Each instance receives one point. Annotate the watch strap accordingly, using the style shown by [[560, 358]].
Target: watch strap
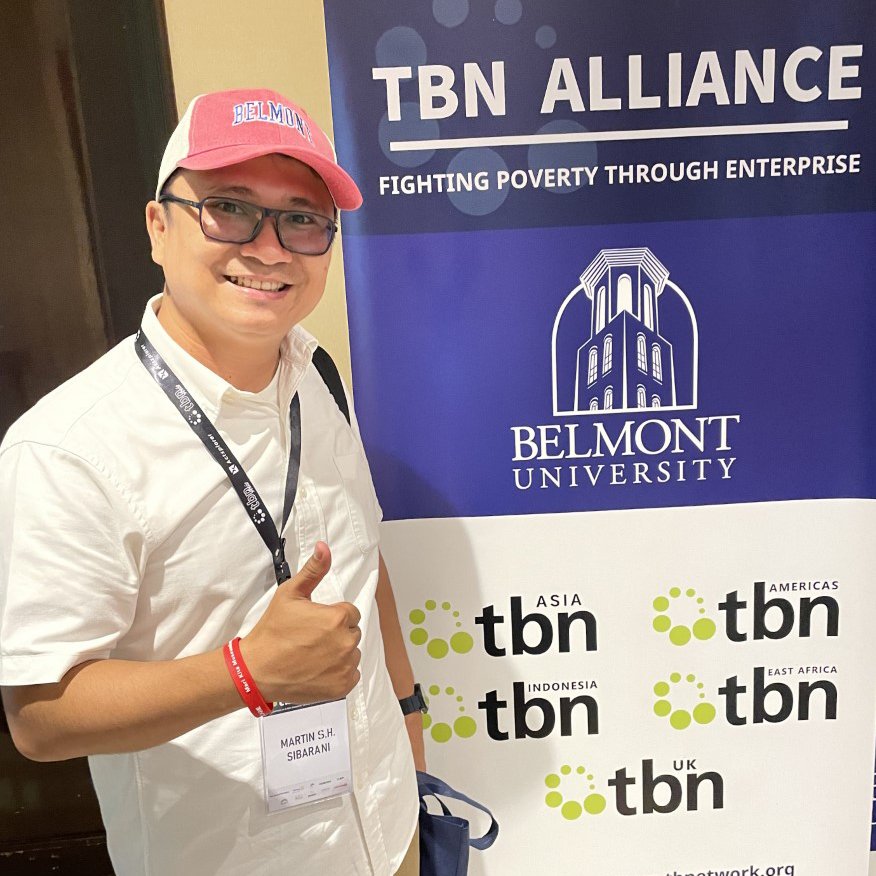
[[414, 703]]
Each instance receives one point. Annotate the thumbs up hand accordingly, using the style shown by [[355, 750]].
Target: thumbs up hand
[[302, 651]]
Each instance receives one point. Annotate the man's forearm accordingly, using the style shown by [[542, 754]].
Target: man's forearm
[[298, 651], [400, 672], [112, 706]]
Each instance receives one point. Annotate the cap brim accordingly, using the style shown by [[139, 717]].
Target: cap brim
[[345, 193]]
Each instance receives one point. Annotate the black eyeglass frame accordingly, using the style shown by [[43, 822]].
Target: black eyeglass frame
[[267, 212]]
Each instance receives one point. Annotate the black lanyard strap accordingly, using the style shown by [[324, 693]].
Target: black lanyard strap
[[200, 424]]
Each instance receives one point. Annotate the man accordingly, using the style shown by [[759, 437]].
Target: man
[[139, 609]]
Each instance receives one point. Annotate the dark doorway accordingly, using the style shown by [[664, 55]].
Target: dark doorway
[[86, 92]]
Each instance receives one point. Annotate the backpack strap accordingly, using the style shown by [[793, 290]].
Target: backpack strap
[[328, 371]]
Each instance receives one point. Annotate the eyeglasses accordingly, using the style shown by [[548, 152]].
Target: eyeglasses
[[231, 221]]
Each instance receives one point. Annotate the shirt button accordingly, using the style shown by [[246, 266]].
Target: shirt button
[[354, 715], [304, 492]]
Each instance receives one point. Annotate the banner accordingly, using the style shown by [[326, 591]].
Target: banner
[[612, 295]]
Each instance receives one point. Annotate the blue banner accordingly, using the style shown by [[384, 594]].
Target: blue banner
[[620, 257], [761, 308]]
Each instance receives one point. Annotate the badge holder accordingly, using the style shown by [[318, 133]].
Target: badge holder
[[305, 754]]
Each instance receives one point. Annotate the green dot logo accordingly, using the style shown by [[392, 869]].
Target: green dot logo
[[572, 793], [438, 701], [446, 620], [691, 692], [702, 628]]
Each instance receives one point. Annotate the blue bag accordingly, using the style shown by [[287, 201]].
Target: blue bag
[[444, 837]]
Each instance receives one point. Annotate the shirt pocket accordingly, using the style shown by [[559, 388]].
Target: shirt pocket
[[359, 497]]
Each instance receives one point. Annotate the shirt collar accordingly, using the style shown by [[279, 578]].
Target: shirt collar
[[211, 390]]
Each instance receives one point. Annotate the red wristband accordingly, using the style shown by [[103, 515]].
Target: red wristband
[[244, 682]]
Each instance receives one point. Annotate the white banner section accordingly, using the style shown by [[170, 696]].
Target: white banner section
[[640, 693]]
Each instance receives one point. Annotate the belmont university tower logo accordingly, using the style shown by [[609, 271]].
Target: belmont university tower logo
[[624, 339], [624, 375]]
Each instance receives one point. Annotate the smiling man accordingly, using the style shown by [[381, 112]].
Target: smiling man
[[238, 718]]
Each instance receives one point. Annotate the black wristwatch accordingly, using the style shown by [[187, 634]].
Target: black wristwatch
[[415, 703]]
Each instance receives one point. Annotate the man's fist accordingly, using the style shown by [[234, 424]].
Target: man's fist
[[302, 651]]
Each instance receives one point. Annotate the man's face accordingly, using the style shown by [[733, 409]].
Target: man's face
[[238, 292]]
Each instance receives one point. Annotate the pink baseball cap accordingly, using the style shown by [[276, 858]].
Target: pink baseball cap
[[227, 127]]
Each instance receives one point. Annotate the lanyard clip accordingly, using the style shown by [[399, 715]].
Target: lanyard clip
[[281, 567]]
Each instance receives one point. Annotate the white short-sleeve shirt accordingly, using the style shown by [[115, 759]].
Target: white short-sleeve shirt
[[120, 537]]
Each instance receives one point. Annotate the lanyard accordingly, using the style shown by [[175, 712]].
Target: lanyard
[[219, 450]]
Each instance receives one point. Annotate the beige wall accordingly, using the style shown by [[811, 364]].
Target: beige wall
[[280, 44]]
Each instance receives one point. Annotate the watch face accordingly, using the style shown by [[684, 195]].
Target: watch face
[[420, 699], [414, 703]]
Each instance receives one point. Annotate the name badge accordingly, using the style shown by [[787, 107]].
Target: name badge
[[305, 754]]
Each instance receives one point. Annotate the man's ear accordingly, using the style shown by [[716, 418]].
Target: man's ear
[[156, 226]]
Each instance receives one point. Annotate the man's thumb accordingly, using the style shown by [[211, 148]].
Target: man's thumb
[[312, 572]]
